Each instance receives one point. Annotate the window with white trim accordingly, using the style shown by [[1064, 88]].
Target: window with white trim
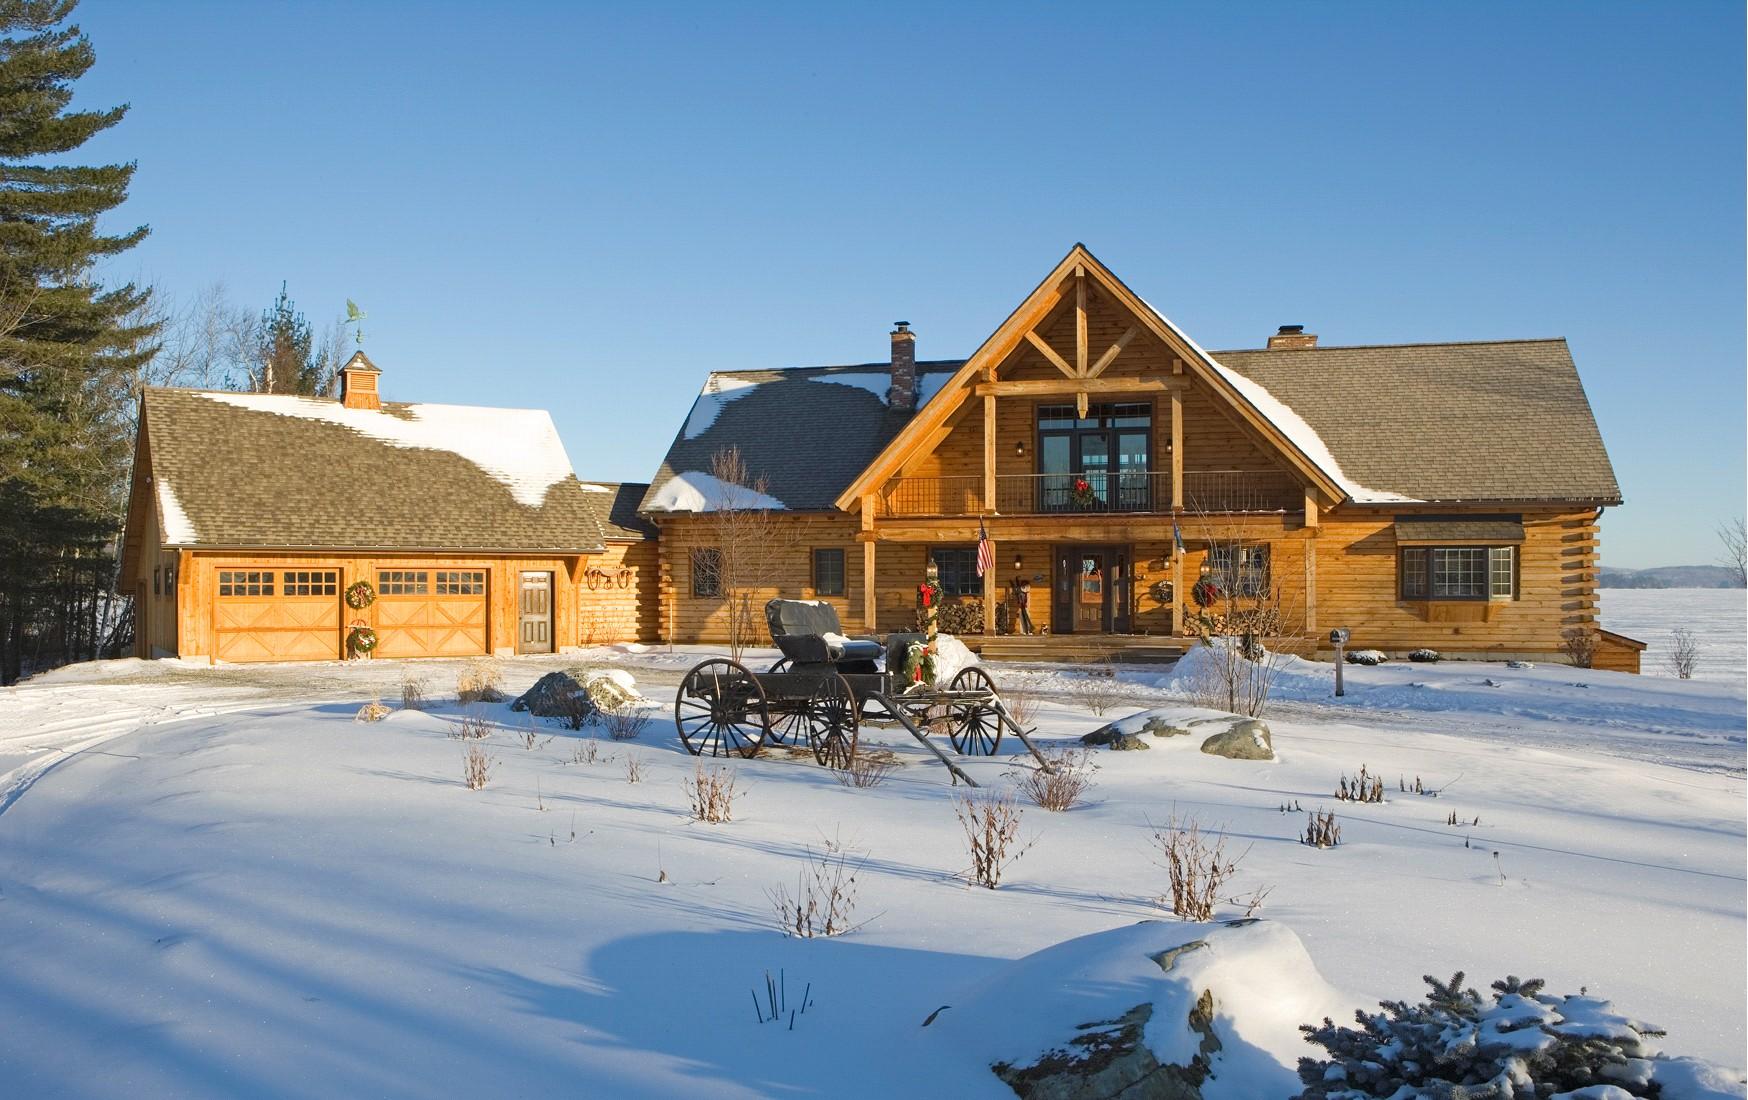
[[461, 582], [245, 582], [403, 582], [1458, 572]]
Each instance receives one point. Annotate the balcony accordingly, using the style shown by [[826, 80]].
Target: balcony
[[1108, 493]]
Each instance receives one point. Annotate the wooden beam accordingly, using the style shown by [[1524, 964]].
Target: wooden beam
[[989, 594], [989, 452], [1066, 386], [1177, 440], [1080, 321], [1049, 353], [1177, 590], [1310, 580], [870, 589], [1310, 507], [1113, 351]]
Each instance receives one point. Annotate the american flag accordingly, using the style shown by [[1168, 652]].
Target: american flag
[[985, 550]]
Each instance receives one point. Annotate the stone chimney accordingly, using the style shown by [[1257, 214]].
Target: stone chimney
[[358, 383], [902, 395], [1292, 338]]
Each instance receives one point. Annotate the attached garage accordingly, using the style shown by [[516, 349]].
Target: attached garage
[[431, 612], [276, 615]]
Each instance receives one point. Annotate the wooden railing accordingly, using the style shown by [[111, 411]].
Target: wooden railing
[[1111, 492]]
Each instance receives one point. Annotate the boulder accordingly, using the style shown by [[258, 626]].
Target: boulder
[[1159, 727], [1111, 1058], [557, 695], [1114, 739], [1245, 739]]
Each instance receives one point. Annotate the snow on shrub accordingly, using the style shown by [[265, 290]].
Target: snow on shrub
[[1426, 656], [1524, 1043], [1366, 657]]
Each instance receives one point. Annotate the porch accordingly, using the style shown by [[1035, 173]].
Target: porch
[[1151, 649], [1147, 492]]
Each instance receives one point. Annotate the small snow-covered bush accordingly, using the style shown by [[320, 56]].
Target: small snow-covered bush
[[412, 692], [474, 726], [481, 681], [992, 831], [1196, 865], [1366, 657], [1426, 656], [824, 902], [1364, 787], [1096, 689], [1521, 1043], [476, 768], [1579, 645], [1321, 831], [1683, 653], [711, 794], [1064, 785], [624, 721], [868, 768], [372, 711]]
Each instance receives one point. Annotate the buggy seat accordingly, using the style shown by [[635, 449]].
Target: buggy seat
[[808, 633]]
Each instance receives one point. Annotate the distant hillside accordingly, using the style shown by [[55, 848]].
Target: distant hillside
[[1670, 576]]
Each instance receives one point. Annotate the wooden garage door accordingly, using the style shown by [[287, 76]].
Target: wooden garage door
[[431, 612], [277, 615]]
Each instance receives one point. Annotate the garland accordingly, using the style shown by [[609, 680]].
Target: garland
[[359, 595], [360, 641]]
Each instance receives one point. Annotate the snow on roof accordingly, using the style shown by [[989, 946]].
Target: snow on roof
[[876, 383], [718, 391], [588, 488], [696, 491], [1291, 424], [178, 530], [518, 447]]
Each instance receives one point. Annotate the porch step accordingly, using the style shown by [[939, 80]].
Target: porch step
[[1078, 648]]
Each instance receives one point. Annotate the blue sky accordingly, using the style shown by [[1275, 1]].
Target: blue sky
[[585, 208]]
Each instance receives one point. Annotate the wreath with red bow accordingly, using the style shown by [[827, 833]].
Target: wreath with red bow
[[1083, 494], [1205, 593], [928, 594]]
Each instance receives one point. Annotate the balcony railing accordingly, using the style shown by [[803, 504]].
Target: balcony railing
[[1110, 492]]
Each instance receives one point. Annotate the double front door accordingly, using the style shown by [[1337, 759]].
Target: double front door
[[1091, 593]]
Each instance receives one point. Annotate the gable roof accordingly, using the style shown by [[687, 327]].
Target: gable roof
[[272, 471], [807, 431], [622, 520]]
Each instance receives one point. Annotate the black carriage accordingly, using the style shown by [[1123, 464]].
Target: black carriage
[[823, 688]]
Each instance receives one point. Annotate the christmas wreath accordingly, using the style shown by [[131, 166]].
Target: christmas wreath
[[1082, 493], [928, 595], [359, 595], [1205, 593], [919, 666], [1160, 591], [360, 640]]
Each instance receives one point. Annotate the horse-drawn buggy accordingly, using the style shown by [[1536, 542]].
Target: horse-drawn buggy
[[825, 686]]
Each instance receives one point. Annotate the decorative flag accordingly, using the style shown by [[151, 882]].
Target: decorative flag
[[985, 550], [1177, 539]]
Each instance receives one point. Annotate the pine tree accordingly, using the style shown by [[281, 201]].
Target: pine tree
[[69, 347], [286, 357]]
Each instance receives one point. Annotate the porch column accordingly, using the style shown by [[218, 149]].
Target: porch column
[[1177, 588], [989, 452], [1177, 439], [1311, 581], [989, 589], [870, 579]]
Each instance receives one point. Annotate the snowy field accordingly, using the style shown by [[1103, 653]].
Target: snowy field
[[214, 882], [1718, 618]]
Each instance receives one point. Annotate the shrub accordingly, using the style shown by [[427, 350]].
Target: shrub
[[1097, 689], [1522, 1042], [624, 720], [1579, 645], [1364, 787], [476, 768], [1197, 868], [868, 768], [412, 692], [633, 768], [711, 793], [991, 821], [1425, 656], [1368, 657], [481, 681], [1064, 785], [1683, 653], [586, 751], [372, 711], [1321, 831], [1022, 705], [572, 707], [824, 903], [473, 726]]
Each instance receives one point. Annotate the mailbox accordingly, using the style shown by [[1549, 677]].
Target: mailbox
[[1338, 636]]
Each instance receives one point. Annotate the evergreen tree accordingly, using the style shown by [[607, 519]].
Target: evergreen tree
[[286, 357], [69, 347]]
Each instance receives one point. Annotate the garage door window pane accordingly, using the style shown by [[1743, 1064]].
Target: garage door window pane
[[403, 582], [461, 583], [245, 582], [312, 582]]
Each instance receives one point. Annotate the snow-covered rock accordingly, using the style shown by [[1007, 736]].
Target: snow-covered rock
[[1230, 735], [1366, 657], [1158, 1008], [1246, 739], [577, 693]]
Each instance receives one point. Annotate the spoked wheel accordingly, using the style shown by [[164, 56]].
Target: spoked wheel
[[782, 665], [972, 723], [832, 722], [720, 710]]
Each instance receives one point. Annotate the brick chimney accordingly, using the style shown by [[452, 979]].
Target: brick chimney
[[358, 383], [1292, 338], [902, 395]]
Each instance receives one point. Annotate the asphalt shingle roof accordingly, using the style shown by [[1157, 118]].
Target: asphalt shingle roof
[[251, 477]]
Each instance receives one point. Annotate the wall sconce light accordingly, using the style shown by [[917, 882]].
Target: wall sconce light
[[1020, 448], [1206, 569], [1018, 561]]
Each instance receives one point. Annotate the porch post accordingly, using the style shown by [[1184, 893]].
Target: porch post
[[989, 590], [870, 579], [1177, 439], [989, 452], [1177, 587]]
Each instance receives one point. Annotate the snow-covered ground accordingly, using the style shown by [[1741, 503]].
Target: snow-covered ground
[[1718, 618], [253, 894]]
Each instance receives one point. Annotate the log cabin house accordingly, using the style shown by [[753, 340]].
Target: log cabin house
[[251, 514], [1420, 495]]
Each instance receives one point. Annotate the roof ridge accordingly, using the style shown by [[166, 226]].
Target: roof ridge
[[881, 365], [1410, 344]]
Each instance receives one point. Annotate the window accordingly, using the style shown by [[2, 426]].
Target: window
[[828, 571], [245, 582], [1109, 449], [958, 569], [1244, 568], [706, 572], [312, 582], [461, 582], [403, 582], [1459, 572], [157, 582]]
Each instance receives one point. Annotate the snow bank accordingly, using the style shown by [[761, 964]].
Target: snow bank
[[697, 491], [519, 448], [1263, 982], [177, 528], [951, 657], [719, 391]]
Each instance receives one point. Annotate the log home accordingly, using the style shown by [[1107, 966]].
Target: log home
[[251, 515], [1420, 495]]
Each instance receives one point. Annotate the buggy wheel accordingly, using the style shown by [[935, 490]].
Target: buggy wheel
[[973, 725], [832, 722], [720, 710], [782, 665]]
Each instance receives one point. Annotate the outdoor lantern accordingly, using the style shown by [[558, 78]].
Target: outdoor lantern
[[1020, 447], [1018, 561], [1205, 568]]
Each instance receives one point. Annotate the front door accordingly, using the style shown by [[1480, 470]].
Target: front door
[[1091, 590], [535, 635]]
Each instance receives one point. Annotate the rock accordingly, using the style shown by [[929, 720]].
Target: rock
[[1112, 1059], [372, 711], [1245, 739], [1159, 727], [558, 695], [1115, 739], [611, 689]]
